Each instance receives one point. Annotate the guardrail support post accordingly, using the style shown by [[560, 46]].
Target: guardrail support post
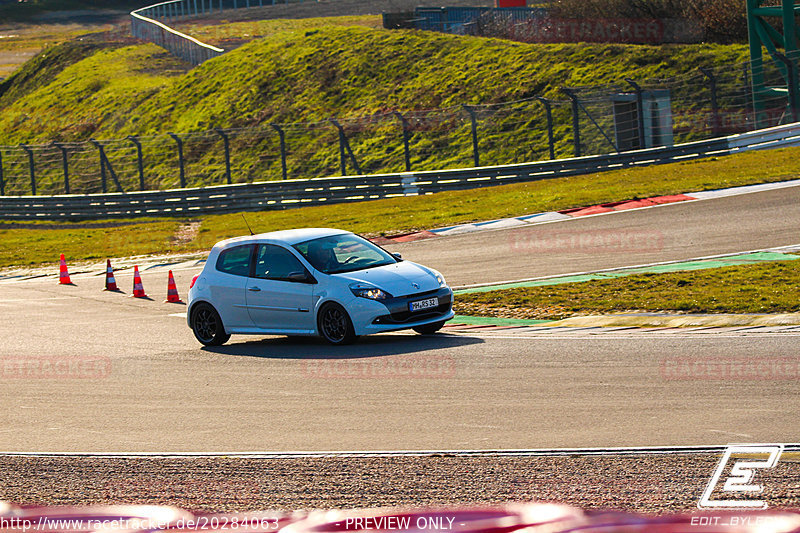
[[639, 110], [549, 113], [474, 124], [791, 79], [226, 143], [64, 164], [406, 151], [712, 85], [31, 167], [344, 147], [139, 159], [576, 126], [2, 182], [179, 142]]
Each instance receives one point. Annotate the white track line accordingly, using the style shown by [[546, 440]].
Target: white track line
[[533, 452]]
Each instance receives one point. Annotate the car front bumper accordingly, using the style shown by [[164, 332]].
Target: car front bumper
[[394, 313]]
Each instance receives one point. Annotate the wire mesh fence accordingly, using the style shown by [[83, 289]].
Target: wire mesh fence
[[707, 103]]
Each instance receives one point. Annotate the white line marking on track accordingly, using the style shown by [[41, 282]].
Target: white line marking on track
[[643, 450]]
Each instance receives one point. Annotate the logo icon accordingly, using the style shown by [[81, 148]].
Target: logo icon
[[751, 457], [415, 285]]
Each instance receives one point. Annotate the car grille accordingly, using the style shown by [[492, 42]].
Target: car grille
[[408, 316]]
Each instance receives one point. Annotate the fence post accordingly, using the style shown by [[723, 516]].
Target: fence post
[[406, 151], [576, 127], [474, 123], [139, 159], [712, 84], [224, 136], [791, 85], [639, 110], [344, 146], [103, 182], [179, 142], [64, 164], [748, 95], [283, 147], [31, 167], [549, 113], [2, 181], [342, 160]]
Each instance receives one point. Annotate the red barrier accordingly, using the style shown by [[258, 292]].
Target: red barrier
[[521, 518]]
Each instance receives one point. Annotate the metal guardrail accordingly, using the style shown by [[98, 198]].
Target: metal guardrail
[[150, 24], [298, 193], [146, 26]]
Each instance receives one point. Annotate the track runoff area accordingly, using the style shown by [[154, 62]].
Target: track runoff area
[[201, 410]]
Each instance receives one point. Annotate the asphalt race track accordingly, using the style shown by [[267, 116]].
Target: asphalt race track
[[144, 384], [665, 233]]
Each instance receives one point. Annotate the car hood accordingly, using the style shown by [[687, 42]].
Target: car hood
[[396, 279]]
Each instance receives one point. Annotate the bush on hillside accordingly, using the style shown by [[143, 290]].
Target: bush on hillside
[[721, 20]]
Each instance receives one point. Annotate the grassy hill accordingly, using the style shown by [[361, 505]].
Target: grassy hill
[[311, 72]]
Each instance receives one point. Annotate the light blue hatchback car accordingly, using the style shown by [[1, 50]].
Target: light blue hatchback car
[[325, 282]]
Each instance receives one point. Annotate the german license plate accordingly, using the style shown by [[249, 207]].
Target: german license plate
[[419, 305]]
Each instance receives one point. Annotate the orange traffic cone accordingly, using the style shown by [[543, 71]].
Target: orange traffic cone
[[111, 283], [63, 275], [138, 290], [172, 291]]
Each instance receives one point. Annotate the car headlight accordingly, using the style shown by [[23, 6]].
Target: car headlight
[[369, 292], [440, 279]]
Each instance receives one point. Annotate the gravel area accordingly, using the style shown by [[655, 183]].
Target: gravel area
[[640, 483]]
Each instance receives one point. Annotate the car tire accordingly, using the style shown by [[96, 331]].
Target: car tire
[[429, 329], [207, 326], [334, 324]]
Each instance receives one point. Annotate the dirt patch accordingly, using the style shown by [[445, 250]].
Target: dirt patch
[[641, 483], [187, 232]]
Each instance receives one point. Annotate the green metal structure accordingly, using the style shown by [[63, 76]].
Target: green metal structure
[[772, 26]]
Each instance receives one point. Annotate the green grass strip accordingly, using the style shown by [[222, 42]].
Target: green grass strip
[[753, 286], [741, 259], [495, 321]]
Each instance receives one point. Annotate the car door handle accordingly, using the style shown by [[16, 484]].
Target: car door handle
[[254, 289]]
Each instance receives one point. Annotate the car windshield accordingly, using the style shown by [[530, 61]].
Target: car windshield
[[343, 253]]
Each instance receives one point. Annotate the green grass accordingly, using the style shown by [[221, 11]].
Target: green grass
[[238, 32], [21, 247], [398, 215], [760, 288], [315, 69]]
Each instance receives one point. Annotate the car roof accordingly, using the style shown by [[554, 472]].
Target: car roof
[[289, 236]]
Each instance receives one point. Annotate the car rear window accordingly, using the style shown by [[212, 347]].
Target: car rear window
[[235, 260]]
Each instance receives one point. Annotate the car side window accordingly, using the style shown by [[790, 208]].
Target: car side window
[[276, 262], [235, 260]]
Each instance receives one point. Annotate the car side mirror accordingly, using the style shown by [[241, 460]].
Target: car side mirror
[[398, 257], [300, 277]]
